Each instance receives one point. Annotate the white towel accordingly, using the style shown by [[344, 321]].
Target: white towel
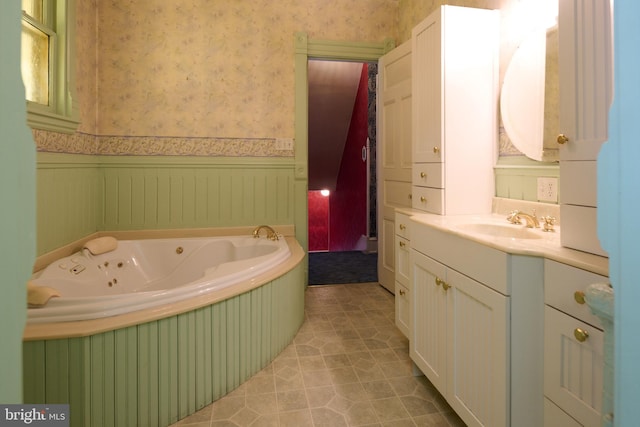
[[38, 296], [101, 245]]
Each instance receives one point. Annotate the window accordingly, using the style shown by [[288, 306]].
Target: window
[[47, 67]]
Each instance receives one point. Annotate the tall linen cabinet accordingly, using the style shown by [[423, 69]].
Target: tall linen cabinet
[[455, 76], [454, 121]]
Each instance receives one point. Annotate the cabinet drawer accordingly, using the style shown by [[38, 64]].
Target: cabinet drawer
[[428, 199], [403, 299], [403, 267], [427, 175], [573, 373], [561, 282], [403, 225]]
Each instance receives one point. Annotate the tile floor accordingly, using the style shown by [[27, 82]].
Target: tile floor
[[348, 366]]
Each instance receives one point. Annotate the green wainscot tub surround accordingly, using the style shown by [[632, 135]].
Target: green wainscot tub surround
[[156, 372]]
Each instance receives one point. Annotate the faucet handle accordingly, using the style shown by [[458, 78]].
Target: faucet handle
[[549, 222], [513, 217]]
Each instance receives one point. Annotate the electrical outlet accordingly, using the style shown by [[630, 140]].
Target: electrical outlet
[[284, 144], [548, 189]]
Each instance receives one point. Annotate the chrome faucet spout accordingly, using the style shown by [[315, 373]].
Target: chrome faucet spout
[[531, 220], [271, 233]]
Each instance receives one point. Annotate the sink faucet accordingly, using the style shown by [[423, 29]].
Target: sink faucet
[[271, 233], [531, 219]]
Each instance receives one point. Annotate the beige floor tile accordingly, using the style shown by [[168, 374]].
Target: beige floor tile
[[348, 366]]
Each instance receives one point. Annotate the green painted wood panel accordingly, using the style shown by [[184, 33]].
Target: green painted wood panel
[[78, 195], [158, 372]]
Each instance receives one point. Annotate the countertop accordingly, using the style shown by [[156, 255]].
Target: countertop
[[544, 244]]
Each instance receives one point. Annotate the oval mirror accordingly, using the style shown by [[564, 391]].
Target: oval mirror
[[529, 97]]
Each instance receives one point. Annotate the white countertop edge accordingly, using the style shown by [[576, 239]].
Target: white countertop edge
[[547, 246]]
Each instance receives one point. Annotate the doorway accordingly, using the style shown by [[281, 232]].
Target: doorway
[[328, 50], [342, 185]]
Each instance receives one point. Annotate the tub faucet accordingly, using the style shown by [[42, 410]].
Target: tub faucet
[[271, 233], [531, 219]]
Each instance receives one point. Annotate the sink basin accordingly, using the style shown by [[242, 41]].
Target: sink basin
[[499, 230]]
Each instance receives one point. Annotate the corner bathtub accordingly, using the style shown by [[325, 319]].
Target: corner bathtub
[[141, 274], [154, 365]]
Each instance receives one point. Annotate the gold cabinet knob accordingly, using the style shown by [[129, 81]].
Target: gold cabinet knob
[[439, 281], [423, 174], [445, 286], [423, 199], [402, 292], [403, 227], [402, 244], [436, 150], [579, 297], [562, 139], [580, 334]]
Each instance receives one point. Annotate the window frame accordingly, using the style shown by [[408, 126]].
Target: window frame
[[61, 115]]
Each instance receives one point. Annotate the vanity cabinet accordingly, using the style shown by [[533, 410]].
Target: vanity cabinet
[[403, 272], [454, 110], [475, 338], [585, 33], [573, 343]]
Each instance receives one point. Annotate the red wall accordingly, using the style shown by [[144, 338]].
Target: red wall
[[318, 222], [348, 213]]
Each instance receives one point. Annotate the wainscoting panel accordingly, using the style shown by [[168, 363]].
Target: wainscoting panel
[[155, 373], [147, 193], [78, 195], [69, 199]]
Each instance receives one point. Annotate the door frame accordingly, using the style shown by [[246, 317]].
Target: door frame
[[306, 49]]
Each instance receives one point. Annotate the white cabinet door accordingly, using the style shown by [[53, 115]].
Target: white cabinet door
[[478, 352], [573, 374], [403, 301], [556, 417], [428, 323], [459, 339], [586, 76], [394, 153]]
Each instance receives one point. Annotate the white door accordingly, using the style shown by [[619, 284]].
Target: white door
[[394, 153]]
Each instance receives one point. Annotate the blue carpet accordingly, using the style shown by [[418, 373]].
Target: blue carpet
[[328, 268]]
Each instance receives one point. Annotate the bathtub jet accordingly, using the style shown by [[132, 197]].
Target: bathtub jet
[[142, 274]]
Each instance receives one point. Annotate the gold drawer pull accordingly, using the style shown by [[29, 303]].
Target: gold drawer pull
[[423, 175], [445, 286], [580, 334], [439, 281], [403, 227], [579, 297], [436, 150], [402, 244], [423, 199], [562, 139], [402, 292]]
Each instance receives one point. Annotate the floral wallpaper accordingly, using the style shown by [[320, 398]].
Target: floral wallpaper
[[214, 68], [194, 77]]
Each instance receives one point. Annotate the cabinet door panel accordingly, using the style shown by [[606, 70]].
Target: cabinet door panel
[[556, 417], [586, 76], [403, 266], [403, 299], [428, 322], [386, 255], [573, 369], [478, 382]]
